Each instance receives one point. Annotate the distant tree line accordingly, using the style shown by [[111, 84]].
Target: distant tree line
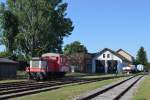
[[75, 47]]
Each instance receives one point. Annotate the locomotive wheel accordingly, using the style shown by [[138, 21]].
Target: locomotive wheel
[[39, 76]]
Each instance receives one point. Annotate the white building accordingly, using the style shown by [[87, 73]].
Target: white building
[[109, 61]]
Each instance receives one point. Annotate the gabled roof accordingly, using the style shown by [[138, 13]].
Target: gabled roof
[[5, 60], [113, 52], [125, 52]]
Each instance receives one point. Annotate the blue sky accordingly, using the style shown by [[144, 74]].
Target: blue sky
[[110, 23]]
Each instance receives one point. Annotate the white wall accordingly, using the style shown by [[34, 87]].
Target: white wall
[[112, 57]]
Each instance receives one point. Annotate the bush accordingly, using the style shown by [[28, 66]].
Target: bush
[[147, 66], [5, 54]]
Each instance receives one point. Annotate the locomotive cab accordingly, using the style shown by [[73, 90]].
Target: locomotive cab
[[47, 66], [38, 65], [37, 69]]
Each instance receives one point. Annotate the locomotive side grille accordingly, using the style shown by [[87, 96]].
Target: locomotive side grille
[[43, 64]]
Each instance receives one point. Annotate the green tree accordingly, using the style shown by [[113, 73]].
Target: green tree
[[75, 47], [42, 25], [148, 65], [9, 28], [141, 56]]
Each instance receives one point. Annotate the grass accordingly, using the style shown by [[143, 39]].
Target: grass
[[21, 75], [68, 92], [88, 75], [75, 74], [85, 74], [143, 92], [93, 75]]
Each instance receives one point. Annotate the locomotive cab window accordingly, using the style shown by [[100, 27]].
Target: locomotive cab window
[[38, 64], [35, 63]]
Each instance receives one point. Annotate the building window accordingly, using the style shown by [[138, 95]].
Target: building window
[[108, 55], [103, 55]]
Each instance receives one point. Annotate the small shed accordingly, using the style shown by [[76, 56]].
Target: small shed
[[8, 68]]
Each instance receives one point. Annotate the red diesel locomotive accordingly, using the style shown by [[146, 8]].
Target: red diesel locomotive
[[49, 65]]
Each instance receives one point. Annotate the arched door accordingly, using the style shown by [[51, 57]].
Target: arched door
[[112, 66], [100, 66]]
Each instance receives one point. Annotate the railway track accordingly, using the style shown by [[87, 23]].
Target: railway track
[[11, 90], [10, 84], [112, 92], [15, 85]]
